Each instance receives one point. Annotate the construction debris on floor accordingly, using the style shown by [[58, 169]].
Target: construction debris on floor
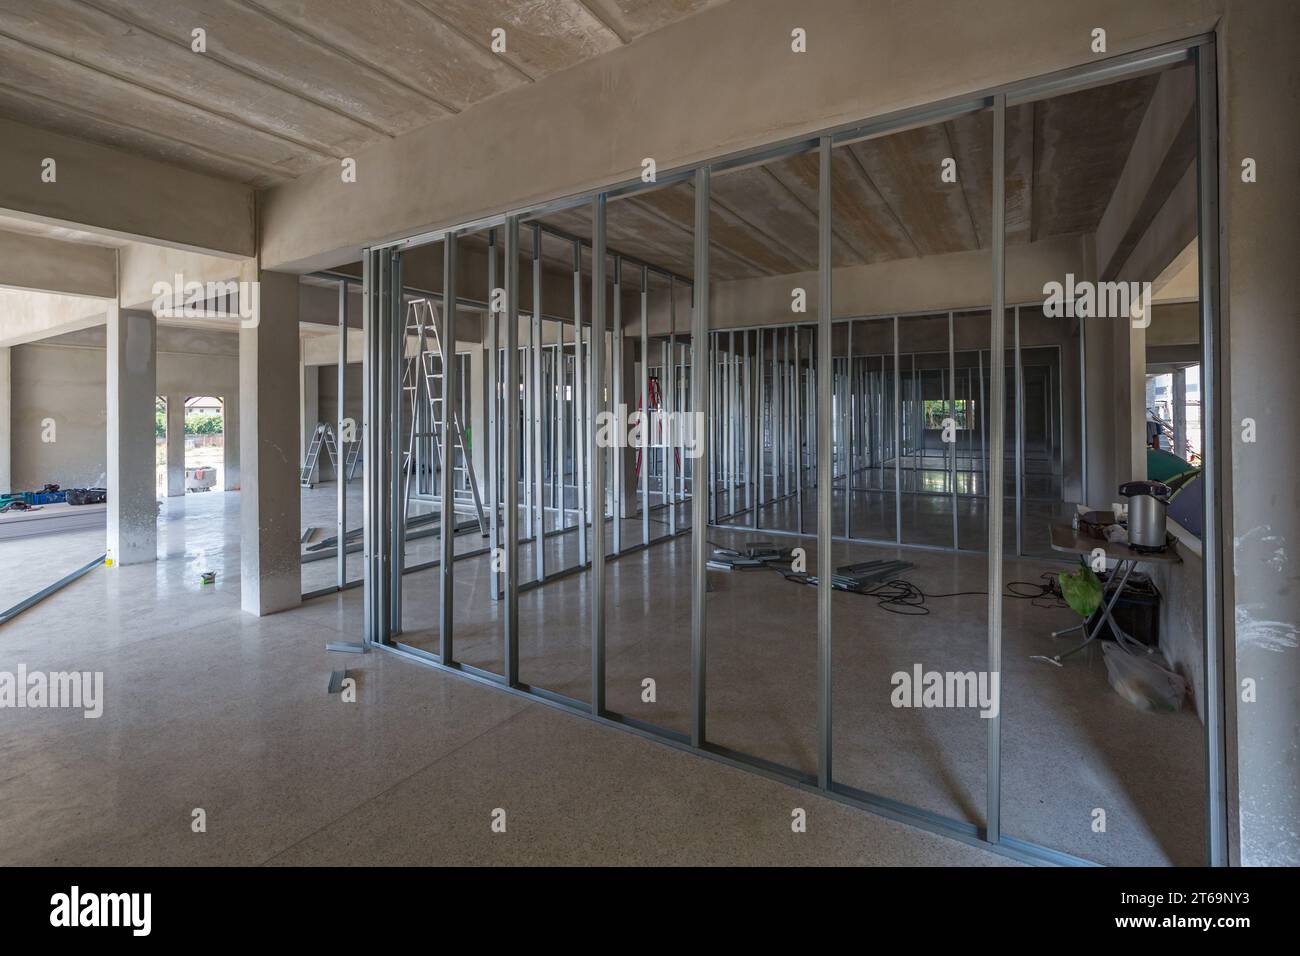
[[759, 554], [51, 494]]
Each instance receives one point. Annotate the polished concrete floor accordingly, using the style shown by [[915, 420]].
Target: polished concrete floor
[[208, 707], [1070, 744]]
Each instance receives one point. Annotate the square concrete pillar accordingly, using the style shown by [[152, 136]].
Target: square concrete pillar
[[308, 405], [6, 423], [175, 446], [132, 380], [269, 436], [230, 427], [477, 418]]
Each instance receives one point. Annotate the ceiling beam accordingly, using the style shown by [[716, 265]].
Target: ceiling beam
[[27, 316], [1161, 153], [589, 126], [122, 195], [42, 264]]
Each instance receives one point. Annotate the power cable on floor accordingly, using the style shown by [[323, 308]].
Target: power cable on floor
[[898, 596]]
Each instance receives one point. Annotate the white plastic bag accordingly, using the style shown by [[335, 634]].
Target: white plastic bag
[[1142, 681]]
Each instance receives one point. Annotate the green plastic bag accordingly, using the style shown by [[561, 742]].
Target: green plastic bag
[[1081, 590]]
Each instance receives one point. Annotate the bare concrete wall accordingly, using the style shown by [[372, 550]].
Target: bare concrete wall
[[59, 393], [63, 380], [1182, 592]]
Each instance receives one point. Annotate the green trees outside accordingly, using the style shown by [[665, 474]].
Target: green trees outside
[[194, 424]]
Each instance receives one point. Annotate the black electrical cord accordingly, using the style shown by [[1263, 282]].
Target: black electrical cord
[[903, 597]]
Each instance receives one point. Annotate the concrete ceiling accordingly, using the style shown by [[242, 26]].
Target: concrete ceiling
[[287, 85], [1064, 158]]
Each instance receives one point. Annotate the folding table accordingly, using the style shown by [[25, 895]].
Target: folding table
[[1066, 538]]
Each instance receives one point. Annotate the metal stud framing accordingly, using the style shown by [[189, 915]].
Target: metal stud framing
[[537, 513], [701, 359], [510, 478], [447, 467], [825, 477], [997, 438], [763, 377], [492, 399], [599, 457]]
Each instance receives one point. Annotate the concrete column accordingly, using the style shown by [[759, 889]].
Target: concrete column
[[1133, 467], [175, 446], [230, 426], [1261, 287], [308, 405], [6, 423], [1180, 412], [477, 419], [269, 435], [132, 380]]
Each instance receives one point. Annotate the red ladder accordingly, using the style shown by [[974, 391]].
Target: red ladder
[[656, 404]]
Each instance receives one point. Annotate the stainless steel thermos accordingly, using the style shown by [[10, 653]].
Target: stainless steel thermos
[[1147, 502]]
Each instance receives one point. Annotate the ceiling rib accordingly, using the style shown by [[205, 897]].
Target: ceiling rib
[[505, 58], [813, 212], [350, 57], [231, 159], [216, 58], [576, 221], [602, 21], [961, 180], [317, 151], [654, 213], [857, 161], [1033, 168], [774, 241]]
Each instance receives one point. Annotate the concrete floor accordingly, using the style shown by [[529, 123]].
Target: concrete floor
[[209, 707]]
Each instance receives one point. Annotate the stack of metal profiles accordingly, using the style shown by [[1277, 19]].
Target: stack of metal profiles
[[759, 554], [854, 577]]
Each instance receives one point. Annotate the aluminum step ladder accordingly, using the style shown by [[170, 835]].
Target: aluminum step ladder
[[323, 436], [351, 457], [422, 383]]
